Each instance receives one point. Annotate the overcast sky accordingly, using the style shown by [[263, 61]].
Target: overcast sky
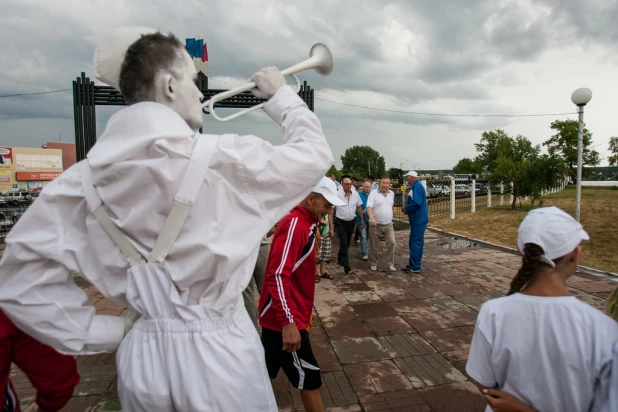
[[439, 56]]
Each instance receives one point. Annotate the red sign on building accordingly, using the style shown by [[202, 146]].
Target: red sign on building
[[28, 176]]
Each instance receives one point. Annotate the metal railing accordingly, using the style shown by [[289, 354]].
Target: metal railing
[[448, 197], [10, 213]]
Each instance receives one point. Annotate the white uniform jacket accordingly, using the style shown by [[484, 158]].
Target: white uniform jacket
[[137, 166]]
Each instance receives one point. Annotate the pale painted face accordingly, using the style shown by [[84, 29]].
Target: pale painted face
[[188, 102]]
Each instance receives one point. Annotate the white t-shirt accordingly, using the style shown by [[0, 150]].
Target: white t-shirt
[[553, 353], [348, 210], [382, 206]]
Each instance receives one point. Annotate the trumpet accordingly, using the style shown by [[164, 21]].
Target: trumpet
[[320, 59]]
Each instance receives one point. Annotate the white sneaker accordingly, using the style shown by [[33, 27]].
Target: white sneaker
[[365, 257], [392, 268], [374, 268]]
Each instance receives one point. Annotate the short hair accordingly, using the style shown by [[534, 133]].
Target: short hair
[[143, 60]]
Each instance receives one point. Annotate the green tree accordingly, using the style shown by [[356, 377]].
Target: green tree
[[467, 165], [564, 144], [613, 149], [492, 145], [363, 160], [516, 160]]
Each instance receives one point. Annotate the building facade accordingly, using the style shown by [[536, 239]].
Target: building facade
[[69, 157], [28, 169]]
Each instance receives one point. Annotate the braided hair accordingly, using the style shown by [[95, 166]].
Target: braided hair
[[531, 262]]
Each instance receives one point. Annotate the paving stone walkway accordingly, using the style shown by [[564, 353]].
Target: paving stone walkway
[[384, 341]]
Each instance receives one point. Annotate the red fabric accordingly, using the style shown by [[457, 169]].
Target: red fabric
[[53, 375], [287, 294], [205, 54]]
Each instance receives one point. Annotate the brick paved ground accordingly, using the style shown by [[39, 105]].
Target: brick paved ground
[[383, 341]]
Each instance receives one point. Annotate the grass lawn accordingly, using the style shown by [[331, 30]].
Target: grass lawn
[[499, 224]]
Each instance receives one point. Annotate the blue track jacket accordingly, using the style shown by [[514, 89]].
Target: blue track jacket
[[416, 205]]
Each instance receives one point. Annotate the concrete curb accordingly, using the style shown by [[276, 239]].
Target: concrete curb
[[582, 269]]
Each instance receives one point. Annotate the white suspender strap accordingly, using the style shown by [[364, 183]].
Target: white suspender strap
[[95, 204], [185, 197]]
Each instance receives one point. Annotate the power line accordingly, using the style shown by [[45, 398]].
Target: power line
[[444, 114], [360, 107], [33, 94]]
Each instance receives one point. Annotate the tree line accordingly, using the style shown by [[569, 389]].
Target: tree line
[[501, 158]]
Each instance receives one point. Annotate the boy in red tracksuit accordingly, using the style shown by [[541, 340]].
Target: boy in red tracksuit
[[287, 296], [53, 375]]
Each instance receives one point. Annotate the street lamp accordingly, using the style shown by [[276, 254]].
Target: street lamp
[[580, 98]]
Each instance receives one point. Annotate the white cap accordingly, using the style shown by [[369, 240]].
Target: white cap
[[328, 189], [411, 173], [553, 230], [111, 50]]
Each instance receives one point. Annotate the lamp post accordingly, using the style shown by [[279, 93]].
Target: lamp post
[[580, 98]]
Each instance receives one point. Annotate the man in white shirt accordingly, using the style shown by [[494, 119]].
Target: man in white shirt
[[345, 219], [169, 222], [380, 211]]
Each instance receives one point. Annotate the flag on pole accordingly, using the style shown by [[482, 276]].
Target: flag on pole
[[204, 63], [198, 52]]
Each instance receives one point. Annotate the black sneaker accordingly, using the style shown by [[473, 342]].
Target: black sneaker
[[408, 270], [347, 269]]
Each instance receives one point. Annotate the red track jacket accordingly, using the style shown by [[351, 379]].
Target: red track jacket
[[53, 375], [289, 281]]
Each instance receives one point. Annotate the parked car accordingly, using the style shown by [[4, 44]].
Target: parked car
[[16, 198], [5, 224], [434, 191], [17, 214], [463, 189]]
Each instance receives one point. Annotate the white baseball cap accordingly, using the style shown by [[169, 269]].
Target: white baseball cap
[[411, 173], [553, 230], [328, 189]]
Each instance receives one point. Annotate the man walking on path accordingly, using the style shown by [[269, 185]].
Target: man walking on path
[[345, 218], [380, 210], [364, 232], [418, 216], [286, 301]]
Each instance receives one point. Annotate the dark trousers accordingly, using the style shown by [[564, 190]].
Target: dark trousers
[[344, 231], [417, 241]]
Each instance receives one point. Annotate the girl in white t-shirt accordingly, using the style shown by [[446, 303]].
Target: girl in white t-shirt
[[539, 344]]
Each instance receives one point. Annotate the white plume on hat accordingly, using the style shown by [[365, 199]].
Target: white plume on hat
[[111, 50]]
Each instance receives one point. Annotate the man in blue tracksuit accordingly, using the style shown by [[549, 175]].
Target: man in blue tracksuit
[[416, 209]]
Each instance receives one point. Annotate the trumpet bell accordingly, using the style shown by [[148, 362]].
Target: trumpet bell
[[320, 59], [322, 52]]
